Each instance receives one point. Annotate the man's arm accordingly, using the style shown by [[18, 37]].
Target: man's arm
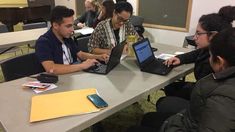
[[83, 56], [81, 19], [51, 67], [101, 51]]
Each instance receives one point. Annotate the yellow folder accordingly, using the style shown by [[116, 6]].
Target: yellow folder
[[61, 104]]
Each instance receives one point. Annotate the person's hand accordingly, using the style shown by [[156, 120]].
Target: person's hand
[[103, 57], [101, 15], [125, 50], [81, 25], [88, 63], [108, 51], [172, 61]]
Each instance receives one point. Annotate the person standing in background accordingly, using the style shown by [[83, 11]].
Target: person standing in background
[[88, 17], [107, 8]]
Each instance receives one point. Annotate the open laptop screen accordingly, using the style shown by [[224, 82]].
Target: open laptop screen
[[143, 51]]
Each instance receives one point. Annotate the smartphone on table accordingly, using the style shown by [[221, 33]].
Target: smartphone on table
[[97, 100]]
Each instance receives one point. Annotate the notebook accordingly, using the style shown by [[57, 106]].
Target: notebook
[[146, 59], [114, 60]]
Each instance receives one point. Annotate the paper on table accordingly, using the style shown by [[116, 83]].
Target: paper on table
[[39, 87], [61, 104], [84, 31], [38, 90], [164, 56], [179, 53]]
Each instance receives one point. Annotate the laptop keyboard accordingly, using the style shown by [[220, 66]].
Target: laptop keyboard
[[161, 68], [101, 68]]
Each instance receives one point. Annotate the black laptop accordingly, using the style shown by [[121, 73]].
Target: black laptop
[[146, 59], [114, 60]]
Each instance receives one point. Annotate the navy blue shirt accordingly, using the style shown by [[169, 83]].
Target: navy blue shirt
[[48, 47]]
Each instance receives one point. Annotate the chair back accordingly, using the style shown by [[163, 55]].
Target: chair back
[[189, 41], [21, 66], [82, 43], [3, 28], [34, 25], [137, 22]]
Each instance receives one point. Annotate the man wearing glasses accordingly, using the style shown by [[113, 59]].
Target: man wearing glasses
[[111, 32]]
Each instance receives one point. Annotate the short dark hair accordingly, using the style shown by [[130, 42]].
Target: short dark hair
[[218, 21], [60, 12], [123, 6], [109, 7], [223, 45]]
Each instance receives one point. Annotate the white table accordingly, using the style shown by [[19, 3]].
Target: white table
[[28, 36], [123, 86], [20, 37]]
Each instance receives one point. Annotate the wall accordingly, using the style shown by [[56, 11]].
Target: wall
[[199, 8], [68, 3]]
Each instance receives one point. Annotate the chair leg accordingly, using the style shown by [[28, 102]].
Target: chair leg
[[148, 98], [22, 51], [28, 46]]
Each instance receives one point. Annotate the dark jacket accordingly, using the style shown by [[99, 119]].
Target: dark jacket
[[48, 47], [212, 106], [89, 18], [201, 59]]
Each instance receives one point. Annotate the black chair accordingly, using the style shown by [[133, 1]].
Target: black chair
[[21, 66], [189, 41], [34, 25], [3, 28], [82, 43], [137, 22]]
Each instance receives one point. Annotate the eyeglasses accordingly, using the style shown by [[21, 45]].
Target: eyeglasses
[[197, 34], [120, 19]]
